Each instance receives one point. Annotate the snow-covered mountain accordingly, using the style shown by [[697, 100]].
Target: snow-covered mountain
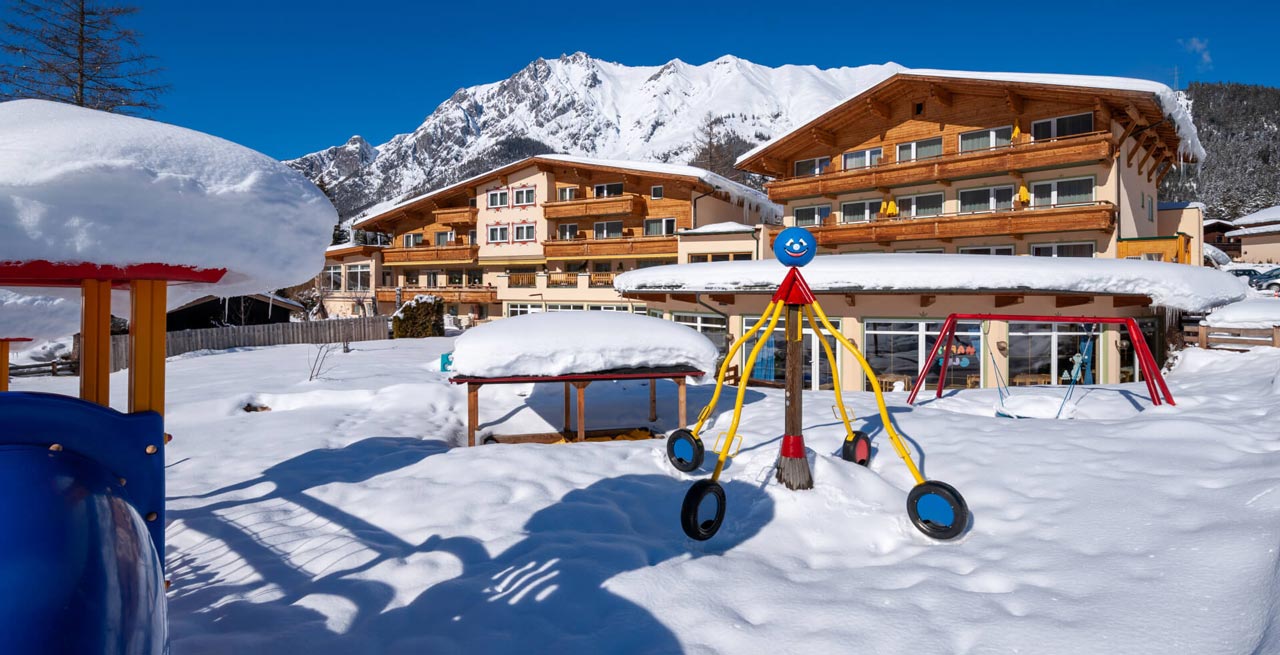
[[583, 106]]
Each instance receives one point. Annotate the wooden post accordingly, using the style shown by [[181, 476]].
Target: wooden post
[[147, 345], [794, 382], [95, 341], [473, 411], [653, 400], [1202, 336], [582, 409], [4, 365], [567, 420], [1275, 336], [681, 405]]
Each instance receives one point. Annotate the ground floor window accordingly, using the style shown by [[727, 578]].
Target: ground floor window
[[1129, 369], [563, 307], [608, 308], [522, 308], [896, 349], [1053, 353], [701, 322], [656, 313], [771, 364], [986, 250]]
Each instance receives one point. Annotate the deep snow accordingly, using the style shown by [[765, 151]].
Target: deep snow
[[342, 522]]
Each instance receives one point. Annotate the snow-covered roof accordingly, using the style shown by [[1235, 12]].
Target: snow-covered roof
[[1253, 231], [1189, 288], [1260, 217], [1174, 104], [1218, 221], [727, 227], [735, 190], [1252, 313], [85, 186], [558, 343]]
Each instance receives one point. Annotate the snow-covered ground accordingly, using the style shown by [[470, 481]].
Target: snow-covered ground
[[342, 521]]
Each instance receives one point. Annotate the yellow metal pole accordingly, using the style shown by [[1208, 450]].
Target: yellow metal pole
[[742, 390], [4, 365], [835, 371], [95, 341], [724, 367], [147, 345]]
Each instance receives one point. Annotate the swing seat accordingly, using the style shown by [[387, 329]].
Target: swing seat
[[1035, 404]]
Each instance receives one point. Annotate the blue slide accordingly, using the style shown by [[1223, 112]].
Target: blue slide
[[81, 528]]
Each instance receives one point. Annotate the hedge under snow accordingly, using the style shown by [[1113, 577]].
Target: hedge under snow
[[1250, 314], [79, 185], [557, 343], [1179, 286]]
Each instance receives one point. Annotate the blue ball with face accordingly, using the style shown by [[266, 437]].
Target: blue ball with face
[[795, 246]]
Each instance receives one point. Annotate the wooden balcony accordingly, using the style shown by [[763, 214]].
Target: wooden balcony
[[522, 280], [1030, 155], [562, 280], [1092, 216], [453, 295], [627, 204], [453, 254], [600, 280], [1174, 248], [610, 248], [456, 215]]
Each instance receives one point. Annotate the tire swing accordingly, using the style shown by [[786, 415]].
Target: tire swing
[[691, 513], [937, 510], [685, 451]]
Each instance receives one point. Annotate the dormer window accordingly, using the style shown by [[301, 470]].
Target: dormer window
[[608, 190], [1056, 128], [815, 166]]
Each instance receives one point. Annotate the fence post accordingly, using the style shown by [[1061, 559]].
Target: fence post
[[1202, 336], [1275, 336]]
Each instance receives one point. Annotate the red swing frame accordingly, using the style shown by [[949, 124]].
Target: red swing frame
[[1156, 386]]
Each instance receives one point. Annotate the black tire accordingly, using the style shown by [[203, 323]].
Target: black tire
[[689, 520], [959, 510], [678, 462], [857, 449], [1273, 287], [490, 440]]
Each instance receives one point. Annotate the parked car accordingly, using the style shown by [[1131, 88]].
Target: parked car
[[1269, 281], [1247, 273]]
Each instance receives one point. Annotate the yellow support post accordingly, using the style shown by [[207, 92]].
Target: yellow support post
[[4, 365], [724, 367], [95, 341], [742, 389], [147, 345], [835, 371]]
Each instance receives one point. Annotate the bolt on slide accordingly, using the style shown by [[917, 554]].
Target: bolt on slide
[[935, 508]]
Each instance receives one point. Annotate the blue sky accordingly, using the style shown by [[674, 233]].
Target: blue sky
[[288, 77]]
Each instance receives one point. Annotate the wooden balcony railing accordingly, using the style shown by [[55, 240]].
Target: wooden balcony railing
[[604, 248], [602, 279], [431, 254], [1080, 148], [475, 295], [1174, 248], [1090, 216], [562, 280], [522, 280], [456, 215], [625, 204]]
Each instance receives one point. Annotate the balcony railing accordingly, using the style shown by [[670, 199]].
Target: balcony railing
[[456, 215], [562, 280], [453, 294], [611, 247], [431, 254], [1027, 155], [625, 204], [522, 280], [602, 279], [1064, 218]]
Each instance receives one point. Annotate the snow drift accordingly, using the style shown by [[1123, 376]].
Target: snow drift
[[1252, 313]]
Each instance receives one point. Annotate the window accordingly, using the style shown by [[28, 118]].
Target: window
[[608, 229], [812, 216], [608, 190], [554, 307], [1056, 128], [1042, 353], [720, 257], [358, 277], [705, 323], [815, 166], [659, 226], [411, 278], [986, 139], [413, 240], [898, 348], [567, 231], [859, 212], [608, 308], [771, 362], [498, 198], [524, 196], [862, 158], [455, 278], [471, 237], [522, 308], [331, 278], [656, 192], [986, 200], [1062, 192], [656, 313], [499, 234], [918, 206], [986, 250], [1081, 249], [566, 193], [444, 238], [1151, 208], [475, 277], [525, 232], [649, 263], [920, 149]]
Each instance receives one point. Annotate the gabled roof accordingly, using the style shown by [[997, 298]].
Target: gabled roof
[[702, 179], [1154, 103], [1260, 217]]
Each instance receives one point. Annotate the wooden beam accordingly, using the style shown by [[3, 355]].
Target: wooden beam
[[1162, 165], [684, 297], [941, 94], [823, 137], [945, 183], [582, 410], [1145, 156], [927, 300], [879, 108], [1006, 301], [1102, 112], [1072, 301], [1138, 144], [723, 298], [682, 404], [95, 341], [4, 366], [1134, 115], [1017, 104], [1130, 301], [473, 411], [653, 400], [1128, 131]]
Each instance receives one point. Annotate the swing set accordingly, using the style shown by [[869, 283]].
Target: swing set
[[1157, 390], [935, 508]]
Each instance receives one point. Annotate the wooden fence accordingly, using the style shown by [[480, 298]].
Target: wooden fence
[[370, 328], [1232, 338]]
